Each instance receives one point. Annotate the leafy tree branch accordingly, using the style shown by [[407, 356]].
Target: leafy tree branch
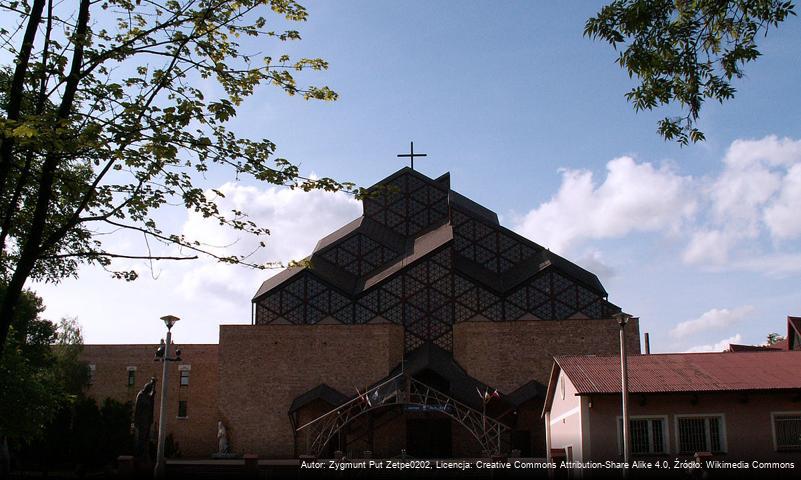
[[103, 124], [685, 52]]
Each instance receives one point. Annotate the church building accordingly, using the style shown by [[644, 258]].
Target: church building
[[422, 327]]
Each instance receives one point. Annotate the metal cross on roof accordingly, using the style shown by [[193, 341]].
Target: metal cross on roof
[[411, 154]]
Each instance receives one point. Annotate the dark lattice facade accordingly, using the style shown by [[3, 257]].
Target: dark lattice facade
[[425, 257]]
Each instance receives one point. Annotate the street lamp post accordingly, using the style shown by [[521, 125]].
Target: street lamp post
[[622, 320], [164, 357]]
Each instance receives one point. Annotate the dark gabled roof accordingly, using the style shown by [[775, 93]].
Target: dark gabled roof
[[320, 392], [480, 211], [338, 234], [277, 279], [443, 181], [436, 234], [421, 247], [574, 271]]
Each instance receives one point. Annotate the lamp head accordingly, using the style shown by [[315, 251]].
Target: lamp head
[[169, 320]]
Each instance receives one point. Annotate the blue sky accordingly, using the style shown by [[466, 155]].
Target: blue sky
[[530, 119]]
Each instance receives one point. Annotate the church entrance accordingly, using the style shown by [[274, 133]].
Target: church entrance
[[428, 437]]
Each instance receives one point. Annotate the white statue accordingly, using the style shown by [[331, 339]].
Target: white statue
[[222, 438]]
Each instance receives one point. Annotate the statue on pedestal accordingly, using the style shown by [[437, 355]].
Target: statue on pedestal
[[223, 447], [222, 439], [143, 419]]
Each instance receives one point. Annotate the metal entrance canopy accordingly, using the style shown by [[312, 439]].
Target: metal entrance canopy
[[404, 390]]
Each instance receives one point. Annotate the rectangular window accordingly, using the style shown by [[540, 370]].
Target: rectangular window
[[184, 378], [91, 379], [131, 376], [700, 434], [647, 435], [788, 431], [182, 413]]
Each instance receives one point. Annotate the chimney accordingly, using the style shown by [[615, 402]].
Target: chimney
[[647, 344]]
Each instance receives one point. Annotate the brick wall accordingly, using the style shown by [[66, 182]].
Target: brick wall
[[506, 355], [197, 433], [251, 378], [264, 367]]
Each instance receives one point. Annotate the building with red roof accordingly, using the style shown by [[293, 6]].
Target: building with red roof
[[736, 406], [790, 342]]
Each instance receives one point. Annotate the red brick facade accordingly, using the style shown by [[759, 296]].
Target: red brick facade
[[196, 433], [264, 367], [251, 378]]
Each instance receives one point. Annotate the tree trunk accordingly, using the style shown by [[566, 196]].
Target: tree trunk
[[24, 176], [16, 89], [8, 304], [31, 249]]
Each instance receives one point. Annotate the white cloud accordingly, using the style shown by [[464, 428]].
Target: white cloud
[[720, 346], [769, 150], [296, 220], [708, 247], [773, 265], [757, 195], [714, 319], [783, 215], [741, 190], [633, 197], [742, 218]]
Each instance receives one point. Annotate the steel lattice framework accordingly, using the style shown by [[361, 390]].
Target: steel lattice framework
[[403, 390], [479, 271]]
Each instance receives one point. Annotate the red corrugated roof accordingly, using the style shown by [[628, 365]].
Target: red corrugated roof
[[686, 372], [776, 347]]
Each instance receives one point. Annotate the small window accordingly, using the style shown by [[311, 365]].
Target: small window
[[562, 386], [701, 434], [788, 431], [647, 435], [184, 378], [182, 413], [91, 379], [131, 376]]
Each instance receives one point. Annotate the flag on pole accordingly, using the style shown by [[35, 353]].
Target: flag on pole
[[486, 396]]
